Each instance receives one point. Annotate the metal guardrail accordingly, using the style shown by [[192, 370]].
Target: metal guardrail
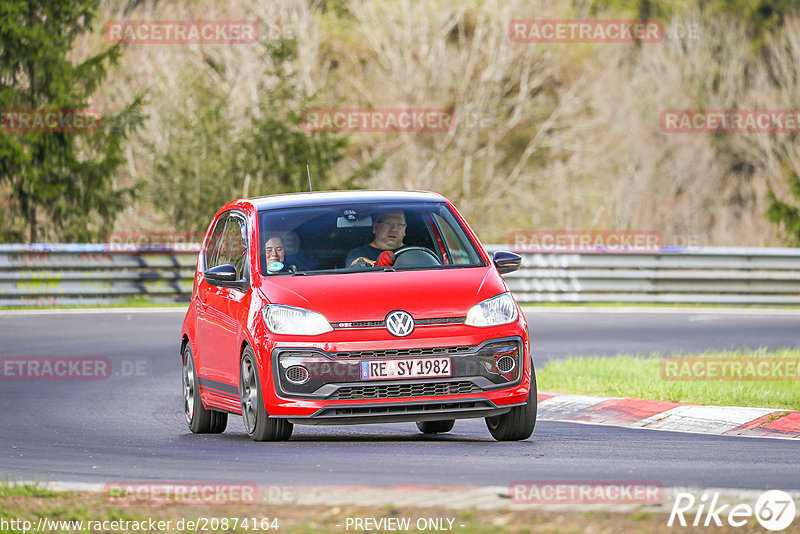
[[74, 274], [59, 274], [706, 275]]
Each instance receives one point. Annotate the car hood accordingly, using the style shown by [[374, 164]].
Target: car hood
[[369, 296]]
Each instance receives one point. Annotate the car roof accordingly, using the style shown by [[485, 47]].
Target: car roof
[[324, 198]]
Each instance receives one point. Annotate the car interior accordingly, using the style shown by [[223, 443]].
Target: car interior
[[324, 241]]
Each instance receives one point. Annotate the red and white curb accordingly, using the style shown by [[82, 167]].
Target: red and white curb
[[663, 415]]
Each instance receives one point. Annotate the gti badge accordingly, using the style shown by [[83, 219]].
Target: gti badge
[[399, 323]]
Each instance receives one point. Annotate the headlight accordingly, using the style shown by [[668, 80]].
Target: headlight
[[494, 311], [294, 321]]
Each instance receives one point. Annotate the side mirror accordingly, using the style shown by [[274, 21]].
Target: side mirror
[[506, 262], [224, 276]]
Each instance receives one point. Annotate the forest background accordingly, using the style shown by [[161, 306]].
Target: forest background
[[548, 136]]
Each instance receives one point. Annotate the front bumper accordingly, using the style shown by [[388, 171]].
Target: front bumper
[[483, 383], [403, 412], [310, 373]]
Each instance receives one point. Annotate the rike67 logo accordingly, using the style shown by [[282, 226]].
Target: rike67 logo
[[774, 510]]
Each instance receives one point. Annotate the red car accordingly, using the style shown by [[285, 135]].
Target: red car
[[353, 307]]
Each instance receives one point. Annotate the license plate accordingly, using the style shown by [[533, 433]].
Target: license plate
[[400, 369]]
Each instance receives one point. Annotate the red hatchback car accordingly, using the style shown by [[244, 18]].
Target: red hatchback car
[[353, 307]]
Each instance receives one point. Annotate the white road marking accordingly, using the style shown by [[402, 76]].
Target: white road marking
[[707, 419]]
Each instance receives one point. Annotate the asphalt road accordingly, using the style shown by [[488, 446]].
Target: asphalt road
[[563, 331], [129, 427]]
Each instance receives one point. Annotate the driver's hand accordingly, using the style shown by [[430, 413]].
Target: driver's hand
[[386, 259]]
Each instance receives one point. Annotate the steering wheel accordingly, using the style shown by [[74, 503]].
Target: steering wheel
[[415, 257]]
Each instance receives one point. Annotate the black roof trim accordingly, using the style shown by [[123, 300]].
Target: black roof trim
[[327, 198]]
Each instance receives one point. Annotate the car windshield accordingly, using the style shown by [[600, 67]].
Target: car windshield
[[347, 238]]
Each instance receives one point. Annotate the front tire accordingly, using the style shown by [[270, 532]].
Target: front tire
[[256, 419], [517, 424], [200, 420], [436, 427]]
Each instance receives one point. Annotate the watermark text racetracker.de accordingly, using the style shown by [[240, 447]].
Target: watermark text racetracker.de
[[586, 492], [136, 242], [161, 493], [591, 241], [731, 368], [181, 31], [69, 368], [50, 120], [378, 120], [730, 121], [585, 31], [600, 31]]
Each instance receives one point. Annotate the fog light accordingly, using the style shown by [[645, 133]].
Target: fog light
[[505, 363], [297, 374]]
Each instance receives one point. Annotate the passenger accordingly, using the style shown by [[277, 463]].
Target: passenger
[[275, 255], [389, 228]]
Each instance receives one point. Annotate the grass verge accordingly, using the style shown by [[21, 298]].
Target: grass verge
[[643, 377]]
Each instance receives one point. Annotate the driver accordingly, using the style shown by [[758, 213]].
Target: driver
[[389, 228]]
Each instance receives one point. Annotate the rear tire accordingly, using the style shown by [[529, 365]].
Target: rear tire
[[259, 425], [436, 427], [200, 420], [517, 424]]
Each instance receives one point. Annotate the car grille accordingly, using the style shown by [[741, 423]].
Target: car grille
[[393, 353], [442, 320], [395, 391]]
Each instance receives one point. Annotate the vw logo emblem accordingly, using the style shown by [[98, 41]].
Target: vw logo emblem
[[399, 323]]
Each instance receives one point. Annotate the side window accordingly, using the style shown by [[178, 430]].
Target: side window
[[212, 250], [234, 244], [459, 255]]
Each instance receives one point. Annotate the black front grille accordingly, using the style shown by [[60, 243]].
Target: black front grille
[[392, 353], [442, 320], [395, 391]]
